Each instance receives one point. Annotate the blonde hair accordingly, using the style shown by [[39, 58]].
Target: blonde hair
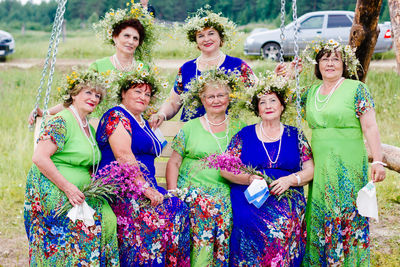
[[79, 87]]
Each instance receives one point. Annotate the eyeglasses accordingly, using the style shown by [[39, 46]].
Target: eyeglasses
[[334, 60], [213, 97]]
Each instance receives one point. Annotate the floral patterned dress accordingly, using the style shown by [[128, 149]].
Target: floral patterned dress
[[274, 234], [337, 234], [57, 241], [189, 71], [210, 206], [147, 236]]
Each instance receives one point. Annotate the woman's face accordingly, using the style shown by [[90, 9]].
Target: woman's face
[[215, 99], [270, 108], [86, 100], [208, 40], [127, 41], [137, 99], [331, 67]]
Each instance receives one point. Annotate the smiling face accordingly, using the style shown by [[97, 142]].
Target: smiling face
[[208, 40], [270, 107], [86, 100], [136, 99], [331, 66], [215, 98], [127, 41]]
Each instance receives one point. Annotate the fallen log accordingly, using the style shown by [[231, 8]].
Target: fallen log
[[391, 156]]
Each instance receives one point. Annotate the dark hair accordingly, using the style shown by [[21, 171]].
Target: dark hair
[[125, 87], [255, 100], [134, 23], [328, 52]]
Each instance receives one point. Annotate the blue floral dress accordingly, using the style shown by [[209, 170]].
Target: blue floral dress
[[148, 236], [274, 234], [189, 71], [57, 241]]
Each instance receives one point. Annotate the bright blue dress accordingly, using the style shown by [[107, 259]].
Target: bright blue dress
[[147, 236], [189, 70], [274, 234]]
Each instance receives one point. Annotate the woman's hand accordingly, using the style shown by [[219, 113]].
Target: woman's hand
[[156, 120], [281, 185], [378, 173], [31, 119], [74, 195], [155, 197], [253, 177]]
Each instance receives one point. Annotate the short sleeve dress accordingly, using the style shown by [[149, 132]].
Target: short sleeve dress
[[210, 206], [148, 236], [274, 234], [189, 71], [336, 233], [57, 241]]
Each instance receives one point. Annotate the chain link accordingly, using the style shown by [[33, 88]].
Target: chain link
[[282, 28], [53, 46], [297, 78]]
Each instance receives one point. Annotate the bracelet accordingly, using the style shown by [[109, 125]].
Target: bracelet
[[298, 178], [162, 114], [379, 162]]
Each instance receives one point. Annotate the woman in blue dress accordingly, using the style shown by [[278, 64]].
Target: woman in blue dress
[[209, 31], [156, 235], [275, 233]]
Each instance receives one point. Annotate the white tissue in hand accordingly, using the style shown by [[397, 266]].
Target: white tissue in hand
[[366, 201], [82, 212]]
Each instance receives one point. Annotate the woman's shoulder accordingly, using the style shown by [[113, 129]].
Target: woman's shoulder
[[354, 83], [189, 64], [191, 124], [247, 129], [102, 64]]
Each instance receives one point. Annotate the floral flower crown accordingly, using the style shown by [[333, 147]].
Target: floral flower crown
[[347, 52], [191, 98], [101, 82], [105, 28], [205, 18], [267, 83]]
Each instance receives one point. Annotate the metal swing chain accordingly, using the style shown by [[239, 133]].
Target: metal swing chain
[[55, 35], [282, 28], [297, 79]]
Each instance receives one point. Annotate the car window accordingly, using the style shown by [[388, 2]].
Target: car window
[[339, 21], [314, 22]]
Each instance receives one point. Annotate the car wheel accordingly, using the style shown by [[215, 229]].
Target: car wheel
[[2, 59], [271, 51]]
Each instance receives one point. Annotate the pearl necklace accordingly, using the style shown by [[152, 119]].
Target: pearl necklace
[[279, 149], [221, 56], [326, 100], [215, 124], [90, 138], [119, 66], [148, 131], [216, 137], [270, 138], [201, 57]]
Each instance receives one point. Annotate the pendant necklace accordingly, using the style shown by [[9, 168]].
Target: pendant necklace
[[90, 138], [325, 101], [280, 143], [148, 131], [119, 66], [216, 137]]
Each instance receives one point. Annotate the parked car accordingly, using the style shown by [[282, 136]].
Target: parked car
[[319, 25], [7, 44]]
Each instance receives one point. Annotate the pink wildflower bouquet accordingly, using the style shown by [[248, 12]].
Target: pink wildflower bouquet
[[230, 163], [114, 181]]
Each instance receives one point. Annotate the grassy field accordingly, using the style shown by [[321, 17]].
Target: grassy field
[[17, 96]]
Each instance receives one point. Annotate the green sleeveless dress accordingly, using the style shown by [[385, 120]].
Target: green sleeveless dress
[[336, 233], [57, 241]]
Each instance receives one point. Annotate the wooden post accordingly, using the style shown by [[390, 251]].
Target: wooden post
[[394, 8], [364, 32]]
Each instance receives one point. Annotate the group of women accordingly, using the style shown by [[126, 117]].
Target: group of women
[[213, 224]]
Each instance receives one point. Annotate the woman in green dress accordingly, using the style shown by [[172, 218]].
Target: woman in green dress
[[340, 111], [209, 193], [65, 157]]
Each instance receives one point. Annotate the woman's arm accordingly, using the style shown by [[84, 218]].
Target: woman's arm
[[371, 133], [167, 111], [242, 178], [120, 142], [41, 158], [304, 177], [173, 165], [52, 111]]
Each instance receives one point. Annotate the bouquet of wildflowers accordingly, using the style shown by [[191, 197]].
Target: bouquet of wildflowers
[[230, 163], [114, 181]]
